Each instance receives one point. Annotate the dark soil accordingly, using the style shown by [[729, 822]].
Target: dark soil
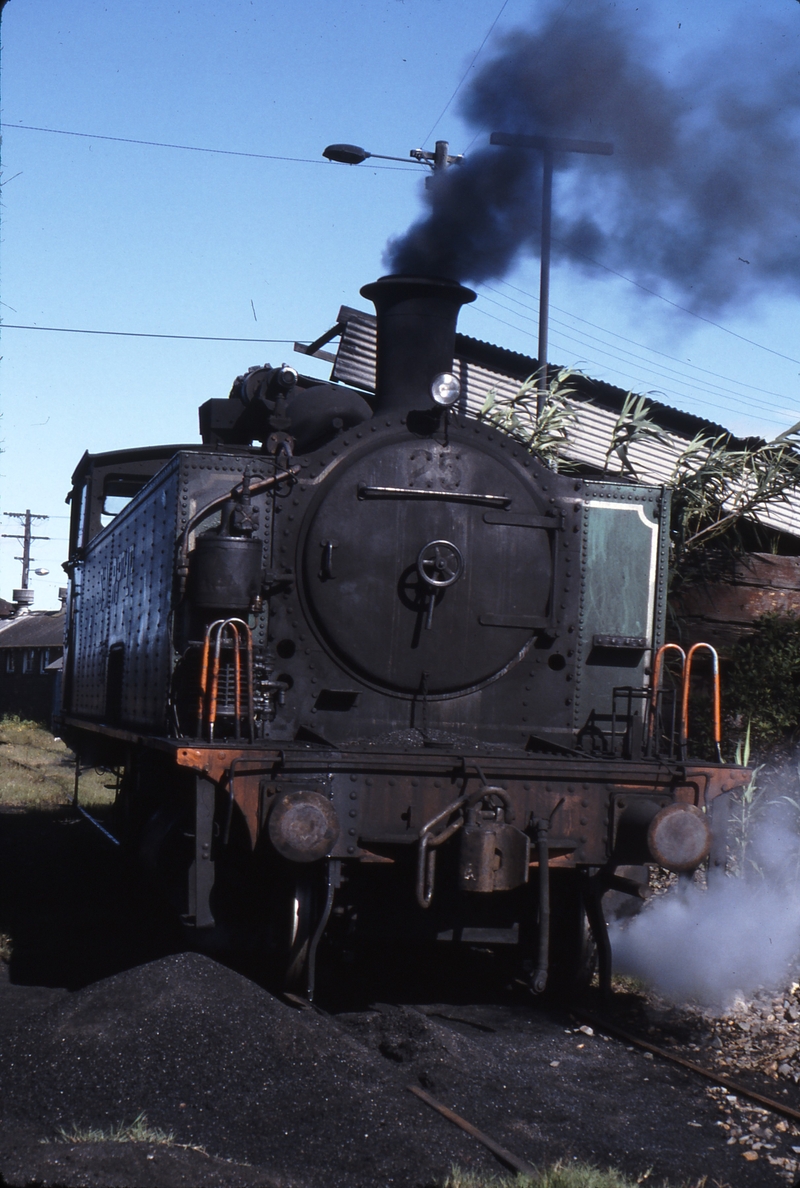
[[98, 1025]]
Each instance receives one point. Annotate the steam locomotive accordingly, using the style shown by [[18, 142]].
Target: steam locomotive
[[369, 669]]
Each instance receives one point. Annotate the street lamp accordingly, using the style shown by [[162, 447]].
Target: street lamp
[[548, 146], [353, 154]]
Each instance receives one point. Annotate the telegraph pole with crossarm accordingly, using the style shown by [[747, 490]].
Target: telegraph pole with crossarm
[[27, 517]]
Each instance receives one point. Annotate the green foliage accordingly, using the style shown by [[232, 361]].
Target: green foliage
[[718, 492], [746, 807], [634, 424], [762, 682], [717, 489], [545, 436]]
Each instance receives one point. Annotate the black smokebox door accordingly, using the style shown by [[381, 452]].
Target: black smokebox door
[[415, 575]]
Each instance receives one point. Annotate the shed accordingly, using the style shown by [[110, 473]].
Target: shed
[[30, 643]]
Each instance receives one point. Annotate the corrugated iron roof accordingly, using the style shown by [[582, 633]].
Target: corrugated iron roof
[[482, 367], [36, 629], [355, 358]]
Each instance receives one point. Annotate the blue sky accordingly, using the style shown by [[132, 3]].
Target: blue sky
[[107, 235]]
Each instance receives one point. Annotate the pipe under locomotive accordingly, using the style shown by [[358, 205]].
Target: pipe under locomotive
[[382, 675]]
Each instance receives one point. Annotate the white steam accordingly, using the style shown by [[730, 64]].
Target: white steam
[[739, 935]]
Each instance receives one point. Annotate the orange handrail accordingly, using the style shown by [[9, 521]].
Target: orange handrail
[[717, 706], [248, 638], [658, 665], [201, 704], [209, 690]]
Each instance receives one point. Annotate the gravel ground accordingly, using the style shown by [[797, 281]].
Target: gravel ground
[[97, 1025], [756, 1043]]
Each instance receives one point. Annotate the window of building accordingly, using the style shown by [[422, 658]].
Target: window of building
[[44, 659], [11, 662], [29, 660]]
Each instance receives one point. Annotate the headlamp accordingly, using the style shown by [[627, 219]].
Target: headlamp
[[445, 389]]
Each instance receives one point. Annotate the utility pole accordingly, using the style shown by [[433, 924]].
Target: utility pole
[[547, 145], [27, 518]]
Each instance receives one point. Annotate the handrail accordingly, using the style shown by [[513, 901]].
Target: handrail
[[213, 693], [717, 707], [209, 690], [658, 665], [201, 704]]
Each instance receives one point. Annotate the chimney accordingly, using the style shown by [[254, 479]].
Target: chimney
[[416, 337], [23, 600]]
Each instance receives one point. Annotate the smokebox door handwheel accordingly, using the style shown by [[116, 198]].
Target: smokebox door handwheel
[[439, 564], [431, 575]]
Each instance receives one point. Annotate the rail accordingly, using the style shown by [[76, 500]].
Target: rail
[[621, 1033], [655, 691]]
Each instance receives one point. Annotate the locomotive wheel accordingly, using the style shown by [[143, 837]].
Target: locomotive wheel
[[573, 953], [301, 929]]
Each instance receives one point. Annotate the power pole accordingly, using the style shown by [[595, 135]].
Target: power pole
[[26, 537], [547, 145]]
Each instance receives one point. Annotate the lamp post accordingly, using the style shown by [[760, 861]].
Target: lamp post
[[548, 146], [353, 154]]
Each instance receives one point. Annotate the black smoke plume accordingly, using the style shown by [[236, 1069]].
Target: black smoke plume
[[703, 189]]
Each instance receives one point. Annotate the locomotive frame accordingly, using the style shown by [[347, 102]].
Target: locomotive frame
[[384, 674]]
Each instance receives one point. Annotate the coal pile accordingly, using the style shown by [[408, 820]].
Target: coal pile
[[258, 1094], [32, 1163], [215, 1059]]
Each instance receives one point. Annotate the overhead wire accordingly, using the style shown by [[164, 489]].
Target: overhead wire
[[484, 128], [684, 309], [618, 367], [402, 168], [141, 334], [628, 375], [663, 371], [653, 350], [191, 148], [446, 107]]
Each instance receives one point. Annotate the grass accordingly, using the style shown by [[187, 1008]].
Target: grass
[[38, 771], [560, 1175], [138, 1131]]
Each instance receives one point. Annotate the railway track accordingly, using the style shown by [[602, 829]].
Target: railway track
[[769, 1103], [607, 1026]]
